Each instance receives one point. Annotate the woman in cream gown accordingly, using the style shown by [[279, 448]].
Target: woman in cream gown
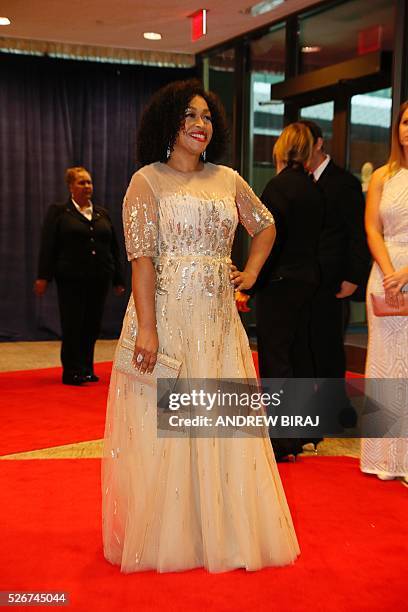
[[387, 355], [173, 504]]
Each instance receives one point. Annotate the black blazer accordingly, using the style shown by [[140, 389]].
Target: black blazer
[[73, 248], [297, 205], [343, 250]]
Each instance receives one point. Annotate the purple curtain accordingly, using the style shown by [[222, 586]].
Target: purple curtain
[[55, 114]]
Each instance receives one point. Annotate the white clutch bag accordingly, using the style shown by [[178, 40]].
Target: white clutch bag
[[166, 367]]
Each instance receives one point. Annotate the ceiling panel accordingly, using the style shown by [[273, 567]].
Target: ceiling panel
[[121, 23]]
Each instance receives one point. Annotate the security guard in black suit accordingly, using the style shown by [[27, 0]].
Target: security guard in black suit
[[79, 249]]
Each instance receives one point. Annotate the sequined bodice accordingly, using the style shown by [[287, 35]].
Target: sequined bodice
[[197, 215], [196, 226], [186, 222], [197, 212], [183, 214]]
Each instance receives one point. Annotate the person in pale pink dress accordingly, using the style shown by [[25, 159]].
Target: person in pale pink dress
[[172, 504], [387, 355]]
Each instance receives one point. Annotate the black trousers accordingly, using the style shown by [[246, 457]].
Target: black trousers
[[81, 304], [283, 312], [327, 333]]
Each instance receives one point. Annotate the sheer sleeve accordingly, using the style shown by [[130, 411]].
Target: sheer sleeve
[[140, 219], [253, 215]]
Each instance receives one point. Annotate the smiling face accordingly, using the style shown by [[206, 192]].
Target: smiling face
[[195, 135], [403, 129]]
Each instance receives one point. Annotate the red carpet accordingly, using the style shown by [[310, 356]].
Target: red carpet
[[352, 530], [37, 411]]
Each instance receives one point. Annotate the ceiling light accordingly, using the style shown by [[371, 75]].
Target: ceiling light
[[311, 49], [262, 7], [4, 21], [152, 35]]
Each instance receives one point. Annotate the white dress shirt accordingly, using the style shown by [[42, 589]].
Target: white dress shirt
[[87, 211], [320, 169]]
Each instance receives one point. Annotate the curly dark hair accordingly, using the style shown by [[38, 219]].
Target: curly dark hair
[[165, 114]]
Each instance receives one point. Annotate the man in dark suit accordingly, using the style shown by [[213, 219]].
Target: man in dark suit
[[343, 258], [80, 250]]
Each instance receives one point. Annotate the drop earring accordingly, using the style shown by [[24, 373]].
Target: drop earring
[[204, 155], [168, 152]]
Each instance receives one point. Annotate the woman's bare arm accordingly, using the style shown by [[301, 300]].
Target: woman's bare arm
[[373, 223], [144, 292]]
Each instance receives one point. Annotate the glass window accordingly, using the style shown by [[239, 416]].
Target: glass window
[[346, 31], [268, 53], [267, 61], [221, 80], [370, 132]]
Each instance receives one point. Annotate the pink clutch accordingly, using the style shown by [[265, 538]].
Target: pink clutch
[[382, 309]]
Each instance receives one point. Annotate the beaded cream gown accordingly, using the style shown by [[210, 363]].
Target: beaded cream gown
[[387, 355], [173, 504]]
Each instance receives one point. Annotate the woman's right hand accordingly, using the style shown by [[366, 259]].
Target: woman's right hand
[[146, 347], [40, 286]]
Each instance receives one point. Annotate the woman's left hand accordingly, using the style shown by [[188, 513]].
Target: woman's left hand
[[393, 283], [242, 280]]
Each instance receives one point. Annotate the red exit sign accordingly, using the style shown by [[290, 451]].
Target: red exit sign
[[198, 24], [370, 40]]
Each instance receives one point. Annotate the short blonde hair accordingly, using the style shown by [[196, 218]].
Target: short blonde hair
[[396, 159], [70, 174], [294, 145]]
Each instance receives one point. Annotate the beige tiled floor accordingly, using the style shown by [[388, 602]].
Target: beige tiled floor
[[33, 355], [81, 450]]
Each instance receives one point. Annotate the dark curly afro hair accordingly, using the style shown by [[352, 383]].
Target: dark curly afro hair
[[165, 114]]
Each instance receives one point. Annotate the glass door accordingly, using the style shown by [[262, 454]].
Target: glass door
[[267, 63], [370, 131]]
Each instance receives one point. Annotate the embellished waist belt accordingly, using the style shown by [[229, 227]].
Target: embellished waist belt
[[196, 257]]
